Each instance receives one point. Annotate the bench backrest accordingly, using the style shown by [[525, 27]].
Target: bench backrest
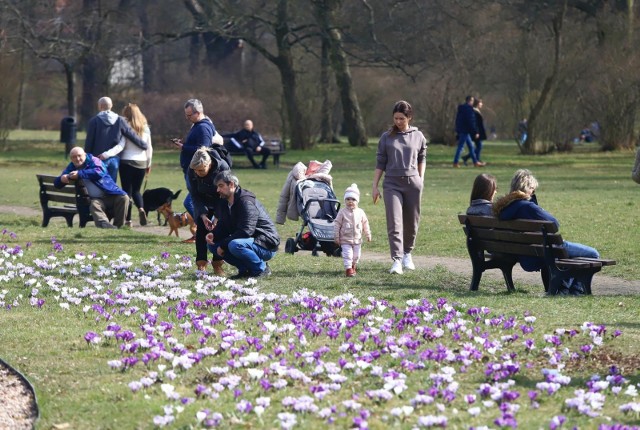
[[517, 237], [70, 194]]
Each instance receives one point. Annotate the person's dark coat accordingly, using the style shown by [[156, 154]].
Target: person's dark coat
[[203, 189], [248, 139], [246, 218], [516, 205], [466, 120], [480, 126]]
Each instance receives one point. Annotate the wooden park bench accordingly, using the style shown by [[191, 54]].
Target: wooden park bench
[[495, 244], [63, 202], [275, 145]]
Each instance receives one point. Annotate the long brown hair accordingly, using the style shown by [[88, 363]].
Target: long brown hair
[[135, 118], [404, 108], [484, 187]]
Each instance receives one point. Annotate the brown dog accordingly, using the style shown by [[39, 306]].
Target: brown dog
[[177, 220]]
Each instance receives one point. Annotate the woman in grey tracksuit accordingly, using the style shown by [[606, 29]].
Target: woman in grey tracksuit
[[401, 155]]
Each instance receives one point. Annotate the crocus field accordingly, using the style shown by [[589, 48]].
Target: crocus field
[[205, 352]]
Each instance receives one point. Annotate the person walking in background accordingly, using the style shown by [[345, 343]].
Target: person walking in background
[[251, 142], [135, 162], [351, 226], [200, 134], [244, 236], [523, 129], [104, 131], [635, 172], [401, 156], [482, 194], [482, 133], [467, 131]]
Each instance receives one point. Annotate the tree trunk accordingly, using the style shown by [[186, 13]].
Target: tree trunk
[[21, 90], [532, 145], [355, 129], [298, 126], [71, 90], [326, 121], [149, 67]]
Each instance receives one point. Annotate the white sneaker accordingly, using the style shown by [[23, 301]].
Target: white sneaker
[[396, 268], [407, 262]]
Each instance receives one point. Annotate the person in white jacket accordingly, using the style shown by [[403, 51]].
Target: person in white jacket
[[350, 227], [135, 162]]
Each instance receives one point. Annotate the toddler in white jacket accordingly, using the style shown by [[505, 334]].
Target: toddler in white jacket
[[351, 226]]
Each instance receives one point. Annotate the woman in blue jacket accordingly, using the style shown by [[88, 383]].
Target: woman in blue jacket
[[521, 203]]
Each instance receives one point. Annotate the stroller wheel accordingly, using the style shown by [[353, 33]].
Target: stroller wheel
[[290, 246]]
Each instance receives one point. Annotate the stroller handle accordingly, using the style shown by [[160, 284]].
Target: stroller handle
[[321, 201]]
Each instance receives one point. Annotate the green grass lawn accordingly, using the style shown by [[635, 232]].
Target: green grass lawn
[[589, 192]]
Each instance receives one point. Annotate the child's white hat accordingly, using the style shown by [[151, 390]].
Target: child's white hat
[[353, 192]]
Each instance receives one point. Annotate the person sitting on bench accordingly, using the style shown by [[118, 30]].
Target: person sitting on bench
[[251, 142], [521, 203], [106, 196]]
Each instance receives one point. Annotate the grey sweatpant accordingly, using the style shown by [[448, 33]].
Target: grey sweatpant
[[110, 206], [402, 196]]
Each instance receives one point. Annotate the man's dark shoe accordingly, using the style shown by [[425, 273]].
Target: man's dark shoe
[[241, 275], [265, 273], [104, 224]]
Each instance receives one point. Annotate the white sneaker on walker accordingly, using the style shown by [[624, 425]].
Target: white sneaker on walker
[[396, 268], [407, 262]]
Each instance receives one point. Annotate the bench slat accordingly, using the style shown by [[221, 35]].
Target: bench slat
[[518, 225], [53, 190], [69, 199], [529, 250], [516, 237]]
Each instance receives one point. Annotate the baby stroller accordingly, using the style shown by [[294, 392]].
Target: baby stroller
[[318, 207]]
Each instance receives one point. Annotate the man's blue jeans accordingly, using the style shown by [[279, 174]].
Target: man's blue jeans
[[245, 255], [188, 201], [462, 139], [112, 165], [579, 250]]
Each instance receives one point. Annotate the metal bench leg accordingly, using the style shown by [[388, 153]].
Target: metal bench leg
[[508, 278], [475, 279]]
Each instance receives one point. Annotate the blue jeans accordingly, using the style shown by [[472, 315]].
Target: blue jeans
[[188, 201], [579, 250], [245, 255], [462, 139], [112, 165]]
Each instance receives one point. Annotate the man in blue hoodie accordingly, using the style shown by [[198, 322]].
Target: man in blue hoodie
[[200, 134], [106, 197], [104, 131]]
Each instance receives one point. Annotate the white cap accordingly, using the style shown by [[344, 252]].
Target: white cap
[[352, 192]]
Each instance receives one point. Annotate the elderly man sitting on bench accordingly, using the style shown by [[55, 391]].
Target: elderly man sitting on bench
[[106, 196], [251, 142]]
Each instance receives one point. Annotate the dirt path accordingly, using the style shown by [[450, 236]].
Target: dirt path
[[602, 284]]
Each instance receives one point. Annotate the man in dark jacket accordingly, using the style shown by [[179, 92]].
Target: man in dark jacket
[[104, 131], [467, 131], [251, 142], [245, 235], [106, 197]]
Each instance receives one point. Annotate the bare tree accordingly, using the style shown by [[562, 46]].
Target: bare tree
[[326, 11]]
